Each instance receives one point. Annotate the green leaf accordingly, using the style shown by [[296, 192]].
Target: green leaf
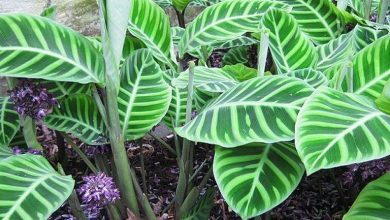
[[143, 97], [207, 79], [176, 33], [336, 51], [224, 21], [236, 55], [363, 36], [163, 3], [36, 47], [371, 68], [290, 48], [258, 110], [257, 177], [156, 37], [320, 19], [131, 44], [240, 72], [9, 123], [202, 98], [31, 188], [18, 140], [177, 108], [64, 89], [372, 202], [180, 5], [336, 129], [5, 152], [237, 42], [49, 12], [310, 76], [358, 6], [383, 102], [203, 206], [79, 115]]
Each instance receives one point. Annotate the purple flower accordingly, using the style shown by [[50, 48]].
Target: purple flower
[[17, 150], [30, 99], [96, 192]]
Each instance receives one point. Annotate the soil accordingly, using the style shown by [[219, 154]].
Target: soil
[[324, 195]]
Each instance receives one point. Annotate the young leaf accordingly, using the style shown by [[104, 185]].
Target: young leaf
[[290, 48], [373, 201], [336, 51], [236, 55], [240, 72], [320, 19], [156, 37], [257, 110], [336, 129], [207, 79], [224, 21], [143, 97], [371, 68], [79, 116], [310, 76], [31, 188], [257, 177], [9, 123], [36, 47]]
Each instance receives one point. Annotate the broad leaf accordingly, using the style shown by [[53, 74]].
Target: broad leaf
[[363, 36], [310, 76], [237, 42], [143, 97], [207, 79], [176, 33], [336, 51], [373, 201], [257, 177], [177, 108], [64, 89], [202, 98], [5, 152], [36, 47], [155, 37], [31, 188], [163, 3], [319, 19], [236, 55], [79, 115], [335, 129], [258, 110], [358, 6], [131, 44], [371, 68], [202, 208], [9, 123], [224, 21], [290, 48]]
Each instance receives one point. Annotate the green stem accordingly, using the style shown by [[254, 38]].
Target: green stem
[[29, 133], [197, 170], [263, 51], [79, 152], [382, 11], [162, 142], [350, 78], [143, 171], [99, 104], [180, 18], [368, 4]]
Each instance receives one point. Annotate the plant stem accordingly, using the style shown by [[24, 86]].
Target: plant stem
[[383, 6], [263, 51], [99, 104], [80, 153], [368, 9], [197, 170], [162, 142], [62, 156], [342, 4], [180, 18], [350, 78], [29, 133]]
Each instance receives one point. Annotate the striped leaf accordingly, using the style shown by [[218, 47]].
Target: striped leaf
[[224, 21], [257, 177], [258, 110], [358, 7], [36, 47], [207, 79], [180, 5], [336, 51], [203, 206], [371, 68], [18, 140], [176, 33], [310, 76], [335, 129], [237, 42], [290, 48], [143, 97], [363, 36], [202, 98], [319, 19], [373, 201], [156, 37], [64, 89], [163, 3], [9, 123], [131, 44], [177, 108], [5, 152], [79, 115], [236, 55], [31, 188]]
